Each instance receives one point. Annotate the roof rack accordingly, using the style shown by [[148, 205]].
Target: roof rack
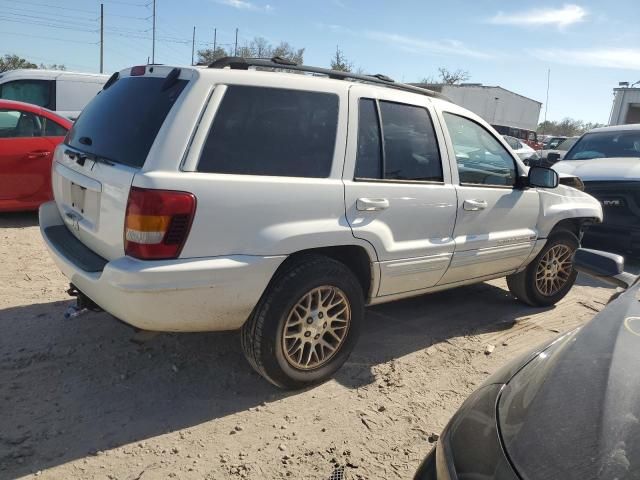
[[241, 63]]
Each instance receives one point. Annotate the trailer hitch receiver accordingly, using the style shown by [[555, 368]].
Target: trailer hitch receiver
[[82, 305]]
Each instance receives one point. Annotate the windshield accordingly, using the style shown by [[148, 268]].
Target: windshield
[[122, 122], [619, 143]]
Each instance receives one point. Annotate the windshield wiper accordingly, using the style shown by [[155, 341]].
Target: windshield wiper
[[80, 158], [99, 159]]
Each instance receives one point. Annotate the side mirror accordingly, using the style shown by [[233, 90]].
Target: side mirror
[[543, 177], [552, 158], [604, 266]]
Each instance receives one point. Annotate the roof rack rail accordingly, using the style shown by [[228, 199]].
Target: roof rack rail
[[241, 63]]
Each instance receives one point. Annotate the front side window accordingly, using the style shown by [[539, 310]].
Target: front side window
[[272, 131], [481, 158], [619, 143], [36, 92], [407, 149], [16, 124]]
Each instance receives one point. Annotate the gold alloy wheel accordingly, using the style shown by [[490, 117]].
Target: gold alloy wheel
[[316, 328], [554, 270]]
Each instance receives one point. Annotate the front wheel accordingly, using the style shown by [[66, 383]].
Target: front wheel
[[550, 276], [306, 324]]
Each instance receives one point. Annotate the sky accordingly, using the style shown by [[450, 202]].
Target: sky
[[588, 46]]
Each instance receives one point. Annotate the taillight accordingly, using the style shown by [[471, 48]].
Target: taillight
[[157, 223]]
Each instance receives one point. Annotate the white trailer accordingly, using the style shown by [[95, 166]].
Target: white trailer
[[64, 92]]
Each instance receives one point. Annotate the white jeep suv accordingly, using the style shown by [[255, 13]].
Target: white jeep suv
[[282, 203]]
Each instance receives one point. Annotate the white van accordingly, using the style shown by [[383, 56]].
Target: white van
[[64, 92]]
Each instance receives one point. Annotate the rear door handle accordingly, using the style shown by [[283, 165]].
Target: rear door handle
[[372, 204], [38, 154], [474, 205]]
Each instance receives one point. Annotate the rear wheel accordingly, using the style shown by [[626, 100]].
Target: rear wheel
[[306, 324], [550, 276]]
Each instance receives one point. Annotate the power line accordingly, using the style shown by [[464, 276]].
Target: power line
[[21, 34], [25, 2], [43, 24], [56, 14], [46, 19]]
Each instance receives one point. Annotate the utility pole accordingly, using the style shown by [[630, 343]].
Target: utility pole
[[546, 103], [235, 49], [101, 37], [153, 45], [193, 45], [215, 37]]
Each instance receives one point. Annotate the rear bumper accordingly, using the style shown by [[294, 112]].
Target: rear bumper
[[184, 295]]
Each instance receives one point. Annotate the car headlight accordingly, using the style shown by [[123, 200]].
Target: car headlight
[[470, 447], [574, 182]]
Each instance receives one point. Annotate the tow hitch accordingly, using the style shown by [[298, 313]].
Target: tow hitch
[[82, 305]]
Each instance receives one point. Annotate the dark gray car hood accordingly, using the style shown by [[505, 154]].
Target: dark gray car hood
[[573, 412]]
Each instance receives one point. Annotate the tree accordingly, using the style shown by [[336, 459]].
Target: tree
[[340, 63], [53, 66], [284, 50], [259, 47], [453, 77], [447, 77], [567, 127], [14, 62], [209, 55]]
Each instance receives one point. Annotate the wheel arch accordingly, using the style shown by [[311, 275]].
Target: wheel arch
[[355, 257], [574, 225]]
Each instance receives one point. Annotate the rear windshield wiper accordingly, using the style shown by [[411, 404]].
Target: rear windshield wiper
[[80, 157]]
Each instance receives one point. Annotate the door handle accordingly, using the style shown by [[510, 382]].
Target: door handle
[[38, 154], [474, 205], [372, 204]]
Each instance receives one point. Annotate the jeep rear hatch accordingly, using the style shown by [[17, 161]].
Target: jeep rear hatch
[[110, 142]]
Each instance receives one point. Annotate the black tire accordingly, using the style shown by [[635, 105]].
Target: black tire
[[261, 335], [523, 285]]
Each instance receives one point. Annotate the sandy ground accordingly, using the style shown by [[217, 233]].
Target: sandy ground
[[80, 399]]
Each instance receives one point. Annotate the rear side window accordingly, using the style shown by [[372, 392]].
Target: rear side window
[[369, 157], [272, 131], [36, 92], [122, 122], [406, 149]]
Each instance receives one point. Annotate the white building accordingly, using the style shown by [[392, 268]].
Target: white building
[[626, 106], [510, 112]]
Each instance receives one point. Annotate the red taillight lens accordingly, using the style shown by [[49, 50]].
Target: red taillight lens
[[139, 70], [157, 223]]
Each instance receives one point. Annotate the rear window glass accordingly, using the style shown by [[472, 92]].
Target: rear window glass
[[272, 131], [122, 122]]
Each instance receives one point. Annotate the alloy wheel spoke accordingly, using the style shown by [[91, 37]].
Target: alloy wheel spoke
[[316, 327]]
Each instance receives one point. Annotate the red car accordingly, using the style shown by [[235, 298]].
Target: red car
[[28, 136]]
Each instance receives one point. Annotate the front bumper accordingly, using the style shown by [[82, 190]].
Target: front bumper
[[183, 295], [620, 228]]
